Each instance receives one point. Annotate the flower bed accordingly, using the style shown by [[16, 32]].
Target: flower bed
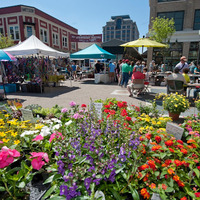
[[123, 155]]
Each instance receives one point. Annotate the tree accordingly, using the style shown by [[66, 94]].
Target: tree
[[6, 41], [162, 29]]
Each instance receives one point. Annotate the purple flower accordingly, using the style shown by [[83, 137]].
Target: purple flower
[[57, 153], [61, 169], [72, 103], [87, 182], [112, 176], [85, 145], [97, 181], [77, 116], [69, 192], [91, 168], [64, 110]]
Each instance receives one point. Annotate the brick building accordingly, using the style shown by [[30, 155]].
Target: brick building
[[120, 28], [185, 41], [22, 21]]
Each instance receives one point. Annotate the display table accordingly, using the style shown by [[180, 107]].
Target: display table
[[101, 78]]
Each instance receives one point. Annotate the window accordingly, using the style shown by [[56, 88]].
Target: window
[[128, 26], [65, 42], [112, 27], [73, 45], [167, 0], [118, 24], [55, 39], [178, 17], [14, 32], [112, 35], [118, 34], [43, 35], [1, 31], [108, 28], [197, 20], [123, 27]]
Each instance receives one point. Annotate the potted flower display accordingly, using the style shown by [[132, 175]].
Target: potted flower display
[[197, 104], [175, 104]]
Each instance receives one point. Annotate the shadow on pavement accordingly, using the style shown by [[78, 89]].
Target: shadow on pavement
[[49, 92]]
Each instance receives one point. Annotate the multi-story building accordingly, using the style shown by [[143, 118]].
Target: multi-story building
[[121, 28], [22, 21], [185, 41]]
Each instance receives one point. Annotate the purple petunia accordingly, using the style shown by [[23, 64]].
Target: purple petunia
[[64, 110], [72, 104]]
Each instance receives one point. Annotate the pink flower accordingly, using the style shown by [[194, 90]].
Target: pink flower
[[37, 163], [64, 110], [7, 156], [38, 137], [1, 142], [55, 135], [77, 116], [72, 103]]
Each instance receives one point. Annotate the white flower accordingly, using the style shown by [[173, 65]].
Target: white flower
[[48, 121], [56, 127], [68, 123], [45, 131], [56, 120], [29, 133]]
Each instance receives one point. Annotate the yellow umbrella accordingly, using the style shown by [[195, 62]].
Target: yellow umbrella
[[143, 42]]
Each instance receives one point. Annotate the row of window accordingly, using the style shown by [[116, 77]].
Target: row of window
[[167, 0], [14, 32], [117, 32], [118, 27], [178, 17]]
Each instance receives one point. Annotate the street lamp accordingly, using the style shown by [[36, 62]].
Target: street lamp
[[198, 54]]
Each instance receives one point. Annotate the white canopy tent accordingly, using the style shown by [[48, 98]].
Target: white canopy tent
[[33, 46]]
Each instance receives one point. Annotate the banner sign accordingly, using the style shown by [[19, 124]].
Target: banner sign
[[174, 130], [86, 38]]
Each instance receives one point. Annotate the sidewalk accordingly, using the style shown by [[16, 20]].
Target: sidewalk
[[82, 92]]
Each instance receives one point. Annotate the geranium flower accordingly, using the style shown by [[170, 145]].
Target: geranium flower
[[64, 110], [106, 110], [158, 139], [128, 118], [124, 113], [83, 106], [169, 143], [72, 104], [107, 106], [184, 198], [197, 194]]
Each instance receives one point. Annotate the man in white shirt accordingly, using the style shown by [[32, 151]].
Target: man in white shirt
[[182, 64]]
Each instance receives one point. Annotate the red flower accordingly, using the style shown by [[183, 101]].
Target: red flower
[[152, 186], [184, 151], [180, 183], [143, 167], [176, 178], [111, 103], [172, 150], [197, 194], [128, 118], [107, 106], [178, 162], [148, 136], [144, 193], [164, 187], [112, 112], [155, 148], [152, 165], [106, 110], [122, 104], [184, 198], [169, 143], [158, 139], [124, 113], [83, 106], [180, 141], [198, 167]]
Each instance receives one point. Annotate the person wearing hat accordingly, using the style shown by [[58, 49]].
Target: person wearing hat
[[182, 64], [125, 73]]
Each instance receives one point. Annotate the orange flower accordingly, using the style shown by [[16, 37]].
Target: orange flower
[[172, 150], [139, 175], [144, 193], [194, 146], [178, 162], [155, 148], [184, 151], [191, 141], [170, 171], [148, 136], [180, 183], [176, 178], [169, 143], [164, 187], [141, 138], [152, 165], [184, 198], [144, 151], [143, 167], [152, 186]]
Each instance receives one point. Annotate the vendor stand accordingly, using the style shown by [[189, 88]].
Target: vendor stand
[[95, 52]]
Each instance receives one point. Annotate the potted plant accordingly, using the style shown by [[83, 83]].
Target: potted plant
[[175, 104], [197, 104]]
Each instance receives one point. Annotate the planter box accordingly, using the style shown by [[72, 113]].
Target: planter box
[[9, 88]]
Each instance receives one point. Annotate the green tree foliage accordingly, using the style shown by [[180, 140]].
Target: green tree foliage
[[6, 41], [162, 29]]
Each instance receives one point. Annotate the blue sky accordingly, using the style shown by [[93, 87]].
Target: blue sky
[[89, 16]]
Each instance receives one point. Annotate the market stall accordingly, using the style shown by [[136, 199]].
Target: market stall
[[95, 52], [34, 68]]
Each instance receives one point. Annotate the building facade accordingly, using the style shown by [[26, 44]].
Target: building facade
[[23, 21], [186, 40], [121, 28]]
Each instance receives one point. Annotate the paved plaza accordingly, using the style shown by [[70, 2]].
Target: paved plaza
[[82, 92]]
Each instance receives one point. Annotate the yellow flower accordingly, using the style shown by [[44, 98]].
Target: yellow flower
[[158, 123], [176, 105], [5, 140], [16, 142], [38, 126], [14, 134], [7, 115], [2, 134]]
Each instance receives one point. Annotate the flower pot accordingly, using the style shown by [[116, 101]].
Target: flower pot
[[174, 116]]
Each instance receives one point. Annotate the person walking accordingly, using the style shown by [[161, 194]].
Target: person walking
[[111, 71], [125, 73]]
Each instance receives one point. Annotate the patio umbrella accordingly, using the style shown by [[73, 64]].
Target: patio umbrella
[[143, 42], [5, 56]]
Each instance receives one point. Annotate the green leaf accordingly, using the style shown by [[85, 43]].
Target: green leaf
[[196, 172], [48, 193], [134, 193], [52, 178], [22, 184], [119, 170], [2, 189], [169, 189], [115, 194], [57, 198]]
